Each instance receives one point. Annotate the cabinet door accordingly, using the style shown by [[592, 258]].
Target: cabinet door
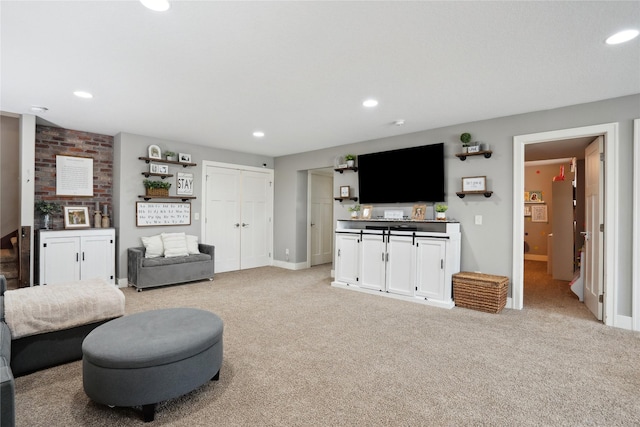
[[400, 269], [59, 260], [347, 257], [430, 263], [97, 258], [372, 262]]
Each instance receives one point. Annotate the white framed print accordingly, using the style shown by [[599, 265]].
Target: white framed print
[[184, 184], [344, 191], [184, 157], [474, 183], [156, 168], [155, 152]]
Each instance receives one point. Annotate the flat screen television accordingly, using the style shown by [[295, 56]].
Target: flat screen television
[[408, 175]]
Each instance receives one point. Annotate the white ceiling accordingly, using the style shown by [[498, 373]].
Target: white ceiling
[[210, 73]]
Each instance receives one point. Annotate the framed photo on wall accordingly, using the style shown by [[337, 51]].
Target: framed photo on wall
[[366, 211], [418, 212], [345, 191], [474, 183], [184, 157], [76, 217], [155, 152]]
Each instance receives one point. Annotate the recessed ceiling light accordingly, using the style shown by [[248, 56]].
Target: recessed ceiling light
[[258, 134], [157, 5], [370, 103], [622, 36], [82, 94], [38, 109]]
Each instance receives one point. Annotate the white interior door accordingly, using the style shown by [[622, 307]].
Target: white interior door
[[592, 257], [321, 221], [255, 241], [222, 228]]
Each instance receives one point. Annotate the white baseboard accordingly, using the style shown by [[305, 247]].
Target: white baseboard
[[123, 282], [290, 265], [534, 257], [623, 322]]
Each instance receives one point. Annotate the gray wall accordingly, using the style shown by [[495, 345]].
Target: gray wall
[[486, 247], [127, 181]]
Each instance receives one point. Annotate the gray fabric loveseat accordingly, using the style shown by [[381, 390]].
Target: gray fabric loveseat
[[144, 272]]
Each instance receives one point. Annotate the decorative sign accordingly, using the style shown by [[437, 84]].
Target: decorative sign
[[539, 213], [474, 183], [149, 214], [184, 183], [74, 176]]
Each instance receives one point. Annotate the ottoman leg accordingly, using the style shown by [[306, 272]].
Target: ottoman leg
[[148, 412]]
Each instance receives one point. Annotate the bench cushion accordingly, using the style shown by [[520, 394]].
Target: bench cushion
[[152, 262]]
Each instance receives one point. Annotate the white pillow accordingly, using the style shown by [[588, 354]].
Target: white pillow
[[175, 244], [153, 245], [192, 244]]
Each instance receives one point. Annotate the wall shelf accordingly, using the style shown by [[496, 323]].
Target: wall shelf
[[161, 175], [461, 194], [486, 154], [169, 162], [352, 168], [341, 199], [183, 198]]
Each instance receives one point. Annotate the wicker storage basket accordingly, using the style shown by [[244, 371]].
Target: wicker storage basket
[[479, 291], [157, 192]]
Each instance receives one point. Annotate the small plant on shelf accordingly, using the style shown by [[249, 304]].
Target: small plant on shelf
[[350, 159], [466, 140], [46, 209], [170, 155], [354, 210], [441, 208]]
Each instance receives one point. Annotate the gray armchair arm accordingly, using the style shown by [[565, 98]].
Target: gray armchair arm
[[134, 262]]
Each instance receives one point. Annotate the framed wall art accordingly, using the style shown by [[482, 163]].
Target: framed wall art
[[149, 214], [344, 191], [156, 168], [74, 176], [474, 183], [366, 211], [155, 152], [184, 157], [76, 217], [418, 212], [184, 184], [539, 213]]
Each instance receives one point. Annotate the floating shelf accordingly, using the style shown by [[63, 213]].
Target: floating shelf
[[353, 168], [183, 198], [486, 154], [170, 162], [461, 194], [341, 199], [161, 175]]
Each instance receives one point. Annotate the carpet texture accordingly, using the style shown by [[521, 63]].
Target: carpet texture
[[301, 353]]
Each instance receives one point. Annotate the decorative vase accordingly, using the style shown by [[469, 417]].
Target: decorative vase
[[47, 218], [105, 221], [97, 220], [441, 216], [350, 163], [354, 214], [171, 158]]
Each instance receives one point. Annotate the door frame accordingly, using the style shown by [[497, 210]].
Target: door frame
[[310, 174], [635, 273], [611, 196]]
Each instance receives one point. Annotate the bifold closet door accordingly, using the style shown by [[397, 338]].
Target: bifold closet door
[[238, 217]]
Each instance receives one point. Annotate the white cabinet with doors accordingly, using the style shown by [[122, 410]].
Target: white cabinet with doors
[[407, 260], [238, 214], [69, 255]]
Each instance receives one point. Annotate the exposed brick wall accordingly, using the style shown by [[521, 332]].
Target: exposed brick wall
[[52, 141]]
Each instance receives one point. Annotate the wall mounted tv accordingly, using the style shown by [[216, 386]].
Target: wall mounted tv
[[408, 175]]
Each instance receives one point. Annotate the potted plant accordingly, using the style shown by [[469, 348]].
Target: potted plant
[[170, 155], [441, 208], [156, 188], [47, 208], [350, 159], [466, 139], [355, 209]]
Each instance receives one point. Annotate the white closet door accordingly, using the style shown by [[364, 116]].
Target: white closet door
[[255, 243], [223, 217]]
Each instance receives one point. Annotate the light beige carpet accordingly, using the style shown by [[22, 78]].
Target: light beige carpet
[[301, 353]]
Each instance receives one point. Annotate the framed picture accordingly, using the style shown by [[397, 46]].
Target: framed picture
[[527, 210], [366, 211], [535, 196], [527, 196], [184, 157], [417, 214], [184, 183], [76, 217], [539, 213], [155, 152], [74, 176], [474, 183], [156, 168], [344, 191]]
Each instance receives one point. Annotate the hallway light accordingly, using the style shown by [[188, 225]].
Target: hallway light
[[157, 5], [622, 36]]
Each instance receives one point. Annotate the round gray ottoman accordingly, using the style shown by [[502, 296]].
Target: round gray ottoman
[[149, 357]]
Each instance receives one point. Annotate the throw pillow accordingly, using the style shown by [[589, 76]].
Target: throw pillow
[[153, 245], [192, 244], [175, 244]]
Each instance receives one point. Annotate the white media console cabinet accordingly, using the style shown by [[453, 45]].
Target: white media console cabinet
[[408, 260]]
